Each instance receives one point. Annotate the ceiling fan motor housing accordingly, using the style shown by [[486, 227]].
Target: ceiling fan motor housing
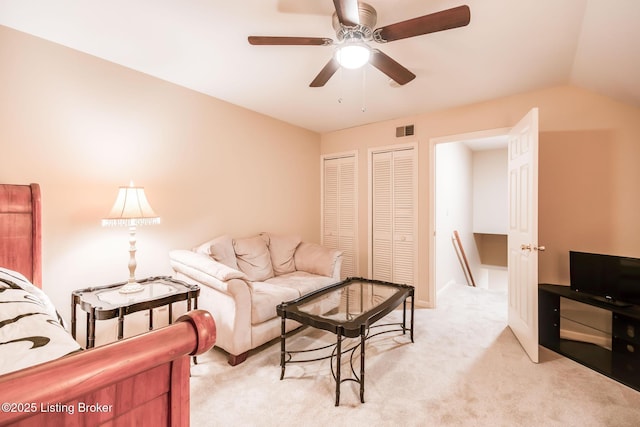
[[368, 18]]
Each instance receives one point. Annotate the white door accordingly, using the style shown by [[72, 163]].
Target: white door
[[404, 217], [523, 233], [381, 265], [393, 254], [339, 209]]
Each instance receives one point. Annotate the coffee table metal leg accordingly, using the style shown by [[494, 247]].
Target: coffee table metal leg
[[412, 313], [404, 316], [282, 348], [362, 343], [338, 363]]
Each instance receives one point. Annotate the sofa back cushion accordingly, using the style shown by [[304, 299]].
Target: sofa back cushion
[[254, 260], [282, 249], [316, 259], [221, 250]]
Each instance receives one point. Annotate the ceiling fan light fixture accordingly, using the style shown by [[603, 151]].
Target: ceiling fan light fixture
[[353, 55]]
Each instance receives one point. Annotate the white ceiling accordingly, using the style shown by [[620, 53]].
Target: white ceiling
[[509, 47]]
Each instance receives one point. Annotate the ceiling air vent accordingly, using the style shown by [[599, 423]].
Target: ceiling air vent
[[404, 131]]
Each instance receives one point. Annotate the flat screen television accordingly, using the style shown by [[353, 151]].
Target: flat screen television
[[609, 278]]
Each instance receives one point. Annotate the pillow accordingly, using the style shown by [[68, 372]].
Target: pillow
[[315, 259], [221, 250], [29, 335], [9, 276], [253, 258], [282, 249]]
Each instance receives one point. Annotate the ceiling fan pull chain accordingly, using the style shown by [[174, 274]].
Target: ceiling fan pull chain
[[364, 89], [340, 86]]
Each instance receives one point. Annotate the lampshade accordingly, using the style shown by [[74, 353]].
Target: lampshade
[[353, 54], [131, 208]]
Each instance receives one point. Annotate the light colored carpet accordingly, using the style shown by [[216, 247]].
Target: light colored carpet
[[464, 369]]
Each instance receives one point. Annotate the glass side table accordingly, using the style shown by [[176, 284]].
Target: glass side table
[[106, 302]]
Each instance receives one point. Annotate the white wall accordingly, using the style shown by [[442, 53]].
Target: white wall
[[490, 188], [454, 211]]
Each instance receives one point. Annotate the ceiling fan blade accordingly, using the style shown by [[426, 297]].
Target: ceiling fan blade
[[439, 21], [325, 74], [390, 67], [348, 12], [289, 41]]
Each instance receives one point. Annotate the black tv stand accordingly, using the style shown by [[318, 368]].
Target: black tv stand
[[622, 362], [609, 301]]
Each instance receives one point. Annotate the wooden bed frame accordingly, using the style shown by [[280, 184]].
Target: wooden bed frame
[[142, 381], [20, 230]]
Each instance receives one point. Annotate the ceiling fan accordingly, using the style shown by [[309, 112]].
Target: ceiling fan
[[353, 22]]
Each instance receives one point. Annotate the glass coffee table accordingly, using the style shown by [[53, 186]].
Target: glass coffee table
[[348, 309]]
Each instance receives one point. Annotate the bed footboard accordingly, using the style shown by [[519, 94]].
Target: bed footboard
[[142, 381]]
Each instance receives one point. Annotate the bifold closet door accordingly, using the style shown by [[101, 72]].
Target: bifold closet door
[[393, 215], [339, 210]]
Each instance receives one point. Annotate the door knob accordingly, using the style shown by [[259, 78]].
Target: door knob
[[530, 247]]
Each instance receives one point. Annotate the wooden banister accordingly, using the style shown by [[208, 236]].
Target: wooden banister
[[465, 263]]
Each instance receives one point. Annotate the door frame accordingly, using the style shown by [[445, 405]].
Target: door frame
[[432, 195]]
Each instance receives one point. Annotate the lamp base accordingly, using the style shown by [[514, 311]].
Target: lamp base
[[131, 288]]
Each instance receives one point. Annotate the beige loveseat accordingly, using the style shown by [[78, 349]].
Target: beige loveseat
[[243, 280]]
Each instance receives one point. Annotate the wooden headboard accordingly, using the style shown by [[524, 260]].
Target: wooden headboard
[[20, 230]]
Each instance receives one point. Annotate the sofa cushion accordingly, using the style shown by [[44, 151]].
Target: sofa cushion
[[204, 264], [253, 258], [316, 259], [221, 250], [264, 299], [282, 249], [301, 281]]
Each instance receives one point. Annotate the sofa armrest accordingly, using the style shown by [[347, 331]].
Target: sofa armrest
[[209, 272], [317, 259], [337, 267]]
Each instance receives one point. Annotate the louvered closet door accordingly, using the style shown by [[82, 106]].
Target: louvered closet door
[[403, 216], [382, 217], [394, 216], [339, 210]]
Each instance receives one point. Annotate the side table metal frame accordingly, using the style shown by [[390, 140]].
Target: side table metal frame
[[94, 313]]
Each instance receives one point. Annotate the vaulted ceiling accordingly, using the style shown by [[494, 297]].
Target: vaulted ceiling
[[508, 47]]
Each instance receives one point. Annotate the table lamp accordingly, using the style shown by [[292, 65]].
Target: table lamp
[[131, 209]]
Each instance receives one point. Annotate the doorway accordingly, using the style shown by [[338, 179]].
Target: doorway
[[522, 234], [469, 198]]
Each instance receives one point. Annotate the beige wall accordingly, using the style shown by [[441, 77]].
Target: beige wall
[[81, 127], [589, 195]]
